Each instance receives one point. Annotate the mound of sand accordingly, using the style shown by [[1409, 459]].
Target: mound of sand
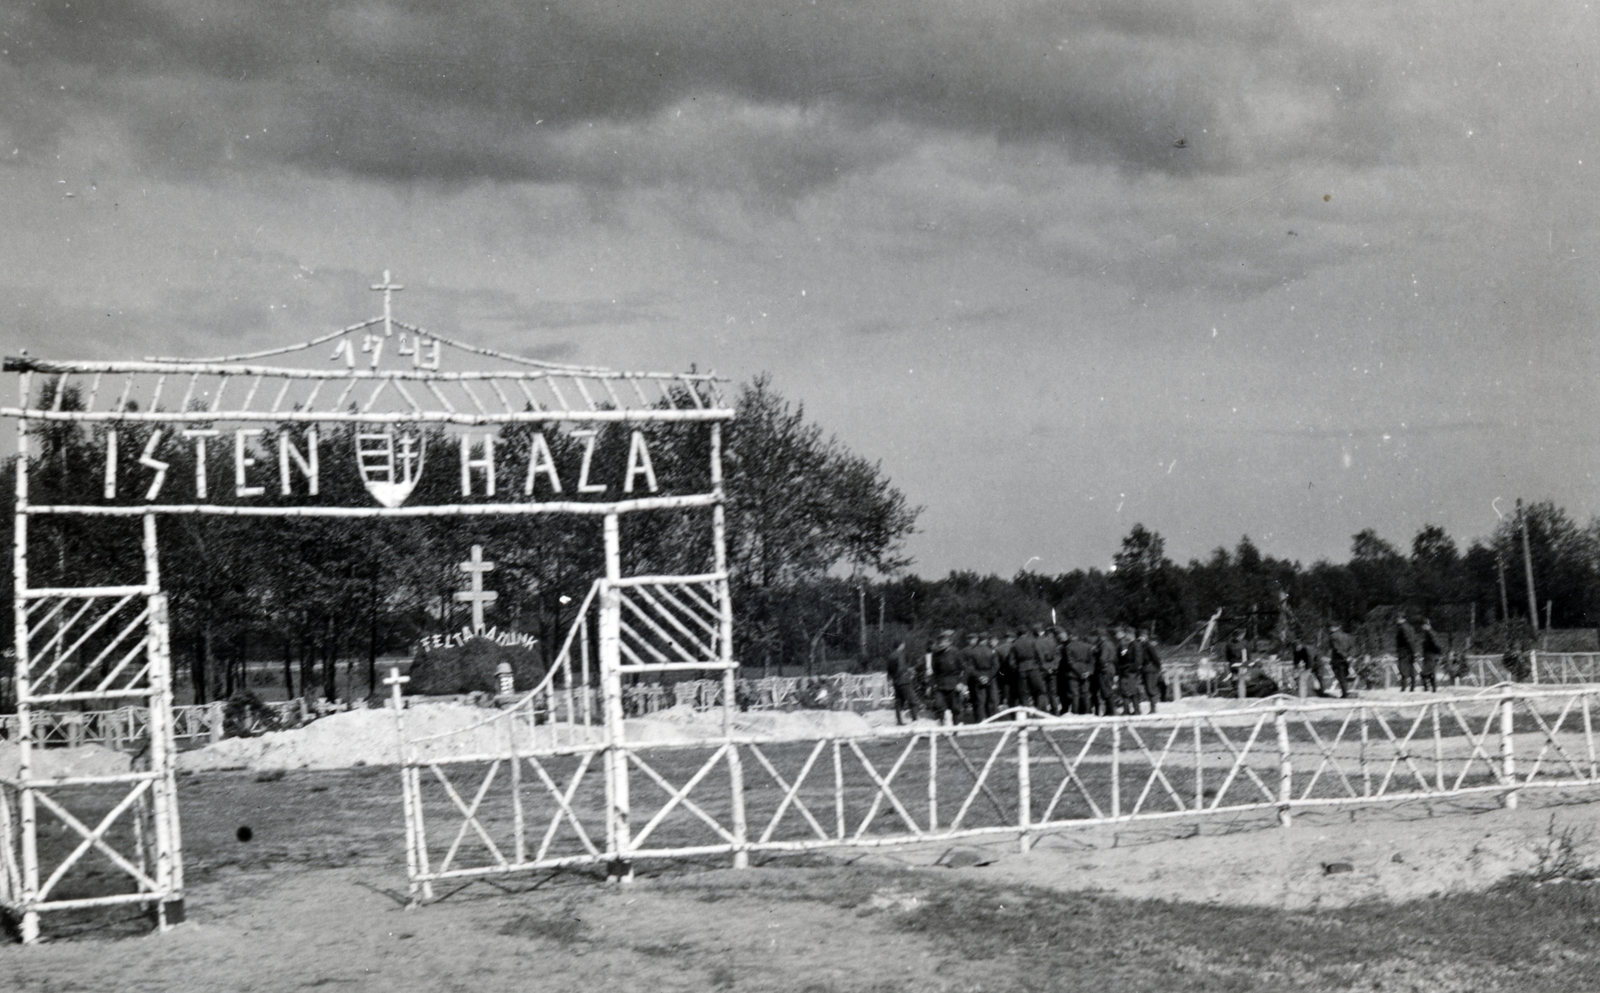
[[55, 763], [355, 737], [367, 737]]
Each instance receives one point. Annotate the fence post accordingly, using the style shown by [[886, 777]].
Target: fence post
[[1508, 759], [838, 787], [1285, 767], [1024, 792], [1533, 665], [741, 831], [933, 781], [216, 717], [1116, 767], [1588, 737]]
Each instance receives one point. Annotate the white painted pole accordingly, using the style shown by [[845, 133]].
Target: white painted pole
[[933, 782], [730, 687], [1024, 793], [24, 688], [1588, 738], [838, 787], [409, 803], [1285, 769], [1116, 768], [611, 683], [1508, 758]]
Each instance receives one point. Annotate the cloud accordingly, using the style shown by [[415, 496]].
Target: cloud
[[508, 89]]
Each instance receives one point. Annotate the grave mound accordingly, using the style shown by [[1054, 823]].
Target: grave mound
[[472, 667]]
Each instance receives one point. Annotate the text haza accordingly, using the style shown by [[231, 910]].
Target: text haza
[[477, 474]]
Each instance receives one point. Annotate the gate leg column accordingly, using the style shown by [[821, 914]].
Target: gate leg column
[[621, 869]]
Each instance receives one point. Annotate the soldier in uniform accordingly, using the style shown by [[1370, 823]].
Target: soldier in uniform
[[981, 665], [1106, 694], [1431, 651], [1006, 652], [1076, 674], [903, 678], [1405, 650], [1130, 685], [1030, 677], [1149, 668], [946, 666], [1048, 639], [1341, 649]]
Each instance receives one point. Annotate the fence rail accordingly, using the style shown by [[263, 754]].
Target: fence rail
[[125, 727], [1024, 774]]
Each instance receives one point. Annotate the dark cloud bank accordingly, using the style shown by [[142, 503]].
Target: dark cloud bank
[[474, 90]]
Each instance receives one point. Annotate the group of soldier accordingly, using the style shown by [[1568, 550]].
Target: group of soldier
[[978, 675], [1409, 645]]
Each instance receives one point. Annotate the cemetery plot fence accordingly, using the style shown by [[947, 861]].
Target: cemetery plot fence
[[524, 807]]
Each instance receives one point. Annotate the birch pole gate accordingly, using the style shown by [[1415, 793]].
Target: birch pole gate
[[239, 436]]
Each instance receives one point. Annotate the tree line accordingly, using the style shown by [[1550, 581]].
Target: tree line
[[1482, 590]]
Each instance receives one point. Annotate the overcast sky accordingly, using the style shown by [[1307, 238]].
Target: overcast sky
[[1284, 269]]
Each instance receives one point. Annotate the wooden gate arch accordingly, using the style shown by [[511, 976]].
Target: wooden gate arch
[[238, 435]]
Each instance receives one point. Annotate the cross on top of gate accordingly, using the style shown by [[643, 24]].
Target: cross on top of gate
[[389, 288], [477, 596]]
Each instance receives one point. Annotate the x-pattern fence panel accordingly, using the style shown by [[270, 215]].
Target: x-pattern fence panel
[[87, 645], [671, 621], [72, 839], [1020, 777]]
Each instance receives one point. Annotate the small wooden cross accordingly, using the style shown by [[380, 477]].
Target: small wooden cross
[[395, 681], [388, 286], [477, 596]]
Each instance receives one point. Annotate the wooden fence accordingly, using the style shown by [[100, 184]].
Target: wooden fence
[[524, 807]]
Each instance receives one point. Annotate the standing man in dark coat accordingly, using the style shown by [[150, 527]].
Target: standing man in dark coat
[[1431, 651], [903, 678], [1005, 651], [1341, 649], [1106, 651], [1030, 676], [1048, 640], [949, 671], [982, 666], [1405, 650], [1149, 668], [1130, 686], [1076, 673]]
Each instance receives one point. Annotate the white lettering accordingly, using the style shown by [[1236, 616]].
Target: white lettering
[[468, 463], [639, 464], [307, 463], [241, 462], [111, 464], [156, 464], [540, 460], [200, 435], [584, 486]]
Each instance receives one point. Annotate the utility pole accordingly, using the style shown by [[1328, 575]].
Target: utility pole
[[1505, 602], [1527, 565]]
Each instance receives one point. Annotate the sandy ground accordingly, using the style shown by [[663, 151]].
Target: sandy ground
[[290, 927], [1324, 859], [318, 898]]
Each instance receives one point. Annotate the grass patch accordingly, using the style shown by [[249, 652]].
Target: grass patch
[[562, 928], [1523, 935]]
